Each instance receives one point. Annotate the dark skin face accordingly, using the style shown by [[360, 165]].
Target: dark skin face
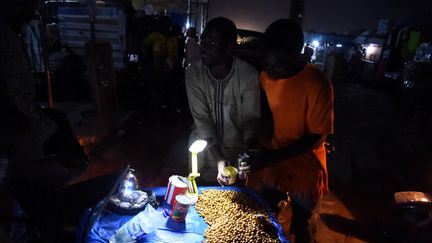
[[216, 53], [282, 64]]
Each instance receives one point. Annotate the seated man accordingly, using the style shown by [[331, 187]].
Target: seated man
[[224, 99]]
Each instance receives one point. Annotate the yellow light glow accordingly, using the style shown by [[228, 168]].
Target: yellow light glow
[[198, 146], [195, 148], [194, 163]]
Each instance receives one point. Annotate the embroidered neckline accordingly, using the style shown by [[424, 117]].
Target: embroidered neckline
[[224, 79]]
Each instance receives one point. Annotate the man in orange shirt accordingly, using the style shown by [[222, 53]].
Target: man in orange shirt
[[301, 101]]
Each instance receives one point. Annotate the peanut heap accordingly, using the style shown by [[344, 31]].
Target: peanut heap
[[234, 217]]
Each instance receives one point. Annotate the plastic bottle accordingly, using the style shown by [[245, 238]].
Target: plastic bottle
[[140, 225]]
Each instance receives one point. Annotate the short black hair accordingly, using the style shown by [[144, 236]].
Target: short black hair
[[225, 26], [284, 35]]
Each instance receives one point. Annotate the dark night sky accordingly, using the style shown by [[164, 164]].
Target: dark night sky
[[339, 16]]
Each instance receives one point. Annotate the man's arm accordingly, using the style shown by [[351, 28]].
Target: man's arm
[[269, 157], [199, 108], [250, 108], [300, 146], [202, 117], [201, 113]]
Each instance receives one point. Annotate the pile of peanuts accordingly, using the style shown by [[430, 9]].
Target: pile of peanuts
[[234, 217]]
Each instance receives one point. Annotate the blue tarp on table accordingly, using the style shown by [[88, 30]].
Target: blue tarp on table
[[192, 230]]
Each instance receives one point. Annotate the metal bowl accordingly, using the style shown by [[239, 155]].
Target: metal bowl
[[408, 222], [130, 207]]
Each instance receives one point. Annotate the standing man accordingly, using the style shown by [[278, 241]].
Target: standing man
[[301, 101], [224, 99]]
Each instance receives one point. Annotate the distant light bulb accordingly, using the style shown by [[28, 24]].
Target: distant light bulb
[[370, 49]]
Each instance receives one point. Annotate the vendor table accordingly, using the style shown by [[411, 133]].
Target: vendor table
[[192, 230]]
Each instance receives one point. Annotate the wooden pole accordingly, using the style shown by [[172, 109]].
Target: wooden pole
[[46, 63], [92, 5]]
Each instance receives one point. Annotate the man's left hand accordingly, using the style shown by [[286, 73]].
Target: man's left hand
[[222, 177]]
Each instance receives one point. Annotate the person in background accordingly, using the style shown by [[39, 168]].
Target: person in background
[[301, 102], [192, 50], [308, 52], [173, 46], [27, 134], [181, 37], [224, 100], [155, 45], [161, 50]]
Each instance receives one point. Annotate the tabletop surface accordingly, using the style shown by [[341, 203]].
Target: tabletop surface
[[192, 230]]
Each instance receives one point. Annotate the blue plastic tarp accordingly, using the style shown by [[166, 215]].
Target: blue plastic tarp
[[192, 230]]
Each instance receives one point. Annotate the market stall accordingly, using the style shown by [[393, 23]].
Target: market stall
[[181, 211], [194, 228]]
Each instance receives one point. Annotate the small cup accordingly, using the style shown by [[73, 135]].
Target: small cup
[[180, 208]]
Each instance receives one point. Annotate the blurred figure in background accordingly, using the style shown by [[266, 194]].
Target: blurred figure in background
[[192, 51], [29, 136], [308, 52], [155, 50], [155, 45]]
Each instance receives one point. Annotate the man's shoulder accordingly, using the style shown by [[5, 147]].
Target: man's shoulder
[[194, 71], [245, 66], [315, 75], [194, 67]]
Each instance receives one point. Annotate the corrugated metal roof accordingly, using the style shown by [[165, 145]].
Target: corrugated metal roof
[[74, 25]]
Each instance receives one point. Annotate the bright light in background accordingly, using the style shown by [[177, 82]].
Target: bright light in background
[[302, 51], [338, 45], [372, 52], [370, 49], [315, 43], [187, 25]]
